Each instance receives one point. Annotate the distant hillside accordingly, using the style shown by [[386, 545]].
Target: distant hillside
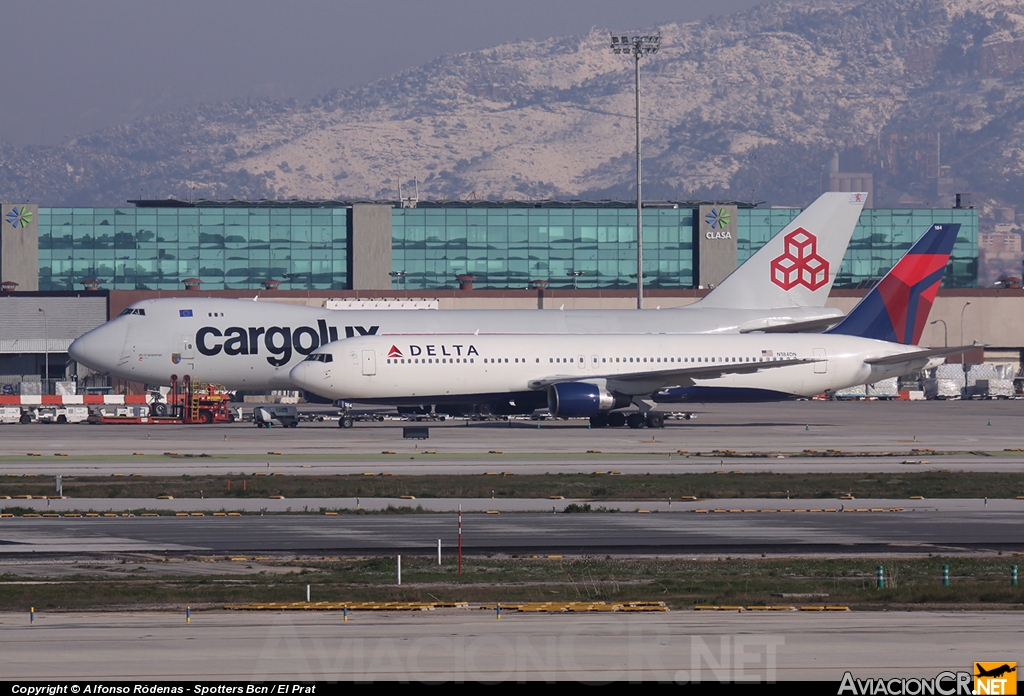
[[752, 105]]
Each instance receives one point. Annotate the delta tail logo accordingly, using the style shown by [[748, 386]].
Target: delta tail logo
[[897, 308], [800, 263], [395, 353]]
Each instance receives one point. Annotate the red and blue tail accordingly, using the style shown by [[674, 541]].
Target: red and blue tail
[[897, 308]]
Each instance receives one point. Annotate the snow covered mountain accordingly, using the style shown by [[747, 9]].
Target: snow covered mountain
[[923, 94]]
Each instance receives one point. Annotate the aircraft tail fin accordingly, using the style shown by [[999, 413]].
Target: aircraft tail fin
[[796, 267], [897, 308]]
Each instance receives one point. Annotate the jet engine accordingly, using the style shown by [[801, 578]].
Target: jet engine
[[580, 399]]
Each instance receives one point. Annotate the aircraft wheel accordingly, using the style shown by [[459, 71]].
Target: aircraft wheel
[[635, 420], [346, 422], [616, 419], [599, 420], [655, 420]]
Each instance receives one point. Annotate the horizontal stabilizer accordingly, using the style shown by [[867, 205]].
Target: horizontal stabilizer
[[919, 354], [808, 326]]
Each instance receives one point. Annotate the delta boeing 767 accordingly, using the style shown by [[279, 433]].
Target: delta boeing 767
[[596, 375]]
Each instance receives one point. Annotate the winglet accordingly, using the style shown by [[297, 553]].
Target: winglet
[[796, 267]]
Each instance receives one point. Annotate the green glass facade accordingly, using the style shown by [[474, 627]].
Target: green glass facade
[[508, 247], [879, 240], [307, 246], [226, 247]]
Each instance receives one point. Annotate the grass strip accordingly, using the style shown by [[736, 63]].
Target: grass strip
[[903, 485], [683, 583]]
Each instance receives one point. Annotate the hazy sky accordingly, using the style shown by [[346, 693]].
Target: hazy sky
[[69, 68]]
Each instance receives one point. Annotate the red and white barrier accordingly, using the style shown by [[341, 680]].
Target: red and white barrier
[[50, 400]]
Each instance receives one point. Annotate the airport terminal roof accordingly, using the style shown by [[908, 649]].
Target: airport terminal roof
[[297, 203]]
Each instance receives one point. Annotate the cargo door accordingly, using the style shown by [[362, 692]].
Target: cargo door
[[188, 351], [369, 362], [821, 367], [131, 341]]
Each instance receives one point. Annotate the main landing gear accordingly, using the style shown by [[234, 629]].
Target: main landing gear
[[635, 420]]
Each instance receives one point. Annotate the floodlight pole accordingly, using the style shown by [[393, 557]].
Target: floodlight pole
[[46, 352], [639, 195], [637, 46], [575, 278]]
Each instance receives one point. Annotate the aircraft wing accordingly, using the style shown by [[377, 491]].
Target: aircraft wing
[[674, 376], [916, 355]]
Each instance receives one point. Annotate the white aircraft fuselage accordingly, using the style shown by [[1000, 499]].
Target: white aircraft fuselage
[[253, 345], [413, 369]]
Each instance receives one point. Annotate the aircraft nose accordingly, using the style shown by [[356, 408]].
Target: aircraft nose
[[101, 348], [304, 375]]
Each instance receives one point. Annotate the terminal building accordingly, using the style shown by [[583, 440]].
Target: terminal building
[[453, 254], [160, 245]]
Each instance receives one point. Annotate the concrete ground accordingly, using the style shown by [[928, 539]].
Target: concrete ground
[[942, 529], [966, 431], [470, 644], [784, 426]]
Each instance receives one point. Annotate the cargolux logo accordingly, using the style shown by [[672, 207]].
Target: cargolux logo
[[278, 341], [800, 263], [395, 353]]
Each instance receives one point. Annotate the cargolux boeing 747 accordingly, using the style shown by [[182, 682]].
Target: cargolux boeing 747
[[250, 345]]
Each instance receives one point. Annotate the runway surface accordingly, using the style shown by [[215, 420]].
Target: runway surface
[[418, 463], [459, 645], [960, 427], [916, 531]]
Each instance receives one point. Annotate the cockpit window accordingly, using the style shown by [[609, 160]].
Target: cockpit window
[[133, 310], [320, 357]]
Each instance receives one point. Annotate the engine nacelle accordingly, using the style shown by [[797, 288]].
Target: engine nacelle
[[582, 400]]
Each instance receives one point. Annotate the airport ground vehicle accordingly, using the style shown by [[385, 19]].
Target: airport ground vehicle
[[189, 402], [61, 414], [286, 415], [11, 414]]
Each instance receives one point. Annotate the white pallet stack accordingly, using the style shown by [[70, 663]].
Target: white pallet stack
[[885, 388]]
